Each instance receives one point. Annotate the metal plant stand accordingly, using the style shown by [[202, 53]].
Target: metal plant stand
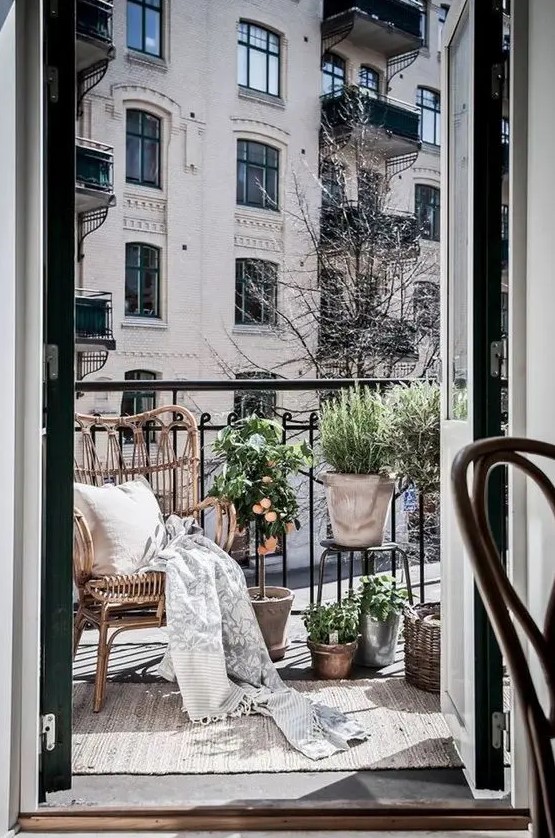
[[368, 564]]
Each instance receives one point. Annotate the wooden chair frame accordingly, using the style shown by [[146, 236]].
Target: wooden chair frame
[[145, 444], [506, 610]]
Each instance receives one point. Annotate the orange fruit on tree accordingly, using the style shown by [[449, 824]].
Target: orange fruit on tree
[[267, 479], [270, 543], [257, 509], [270, 517], [265, 503]]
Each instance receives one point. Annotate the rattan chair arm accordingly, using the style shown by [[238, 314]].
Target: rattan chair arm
[[83, 549], [226, 520], [136, 588]]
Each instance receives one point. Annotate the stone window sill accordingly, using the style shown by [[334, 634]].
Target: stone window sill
[[150, 61], [143, 323], [263, 98]]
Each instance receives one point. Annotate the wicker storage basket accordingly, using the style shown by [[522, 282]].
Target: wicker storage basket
[[422, 646]]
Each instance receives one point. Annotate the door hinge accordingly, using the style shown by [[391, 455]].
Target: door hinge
[[51, 365], [52, 83], [497, 80], [48, 731], [497, 358], [500, 723]]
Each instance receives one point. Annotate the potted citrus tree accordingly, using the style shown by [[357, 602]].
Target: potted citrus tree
[[255, 478], [356, 447], [332, 637], [381, 605]]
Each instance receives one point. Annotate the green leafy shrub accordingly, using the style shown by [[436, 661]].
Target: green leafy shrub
[[336, 619], [353, 432], [413, 433], [255, 475], [378, 597]]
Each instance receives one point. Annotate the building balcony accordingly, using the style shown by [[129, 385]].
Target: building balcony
[[391, 126], [93, 28], [93, 320], [390, 27], [350, 224], [94, 176]]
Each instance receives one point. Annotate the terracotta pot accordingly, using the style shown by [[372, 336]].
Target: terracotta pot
[[332, 662], [358, 506], [272, 614]]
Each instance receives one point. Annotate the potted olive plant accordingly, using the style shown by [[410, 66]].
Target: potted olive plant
[[356, 447], [381, 605], [255, 475], [332, 637]]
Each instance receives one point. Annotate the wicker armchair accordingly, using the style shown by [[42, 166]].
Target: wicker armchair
[[163, 446]]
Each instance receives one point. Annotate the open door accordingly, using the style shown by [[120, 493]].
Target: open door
[[472, 690], [57, 603]]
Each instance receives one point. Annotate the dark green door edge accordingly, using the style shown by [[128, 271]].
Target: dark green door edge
[[488, 21], [59, 212]]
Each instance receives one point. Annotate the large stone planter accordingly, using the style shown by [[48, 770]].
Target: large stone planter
[[357, 506], [378, 641], [272, 614]]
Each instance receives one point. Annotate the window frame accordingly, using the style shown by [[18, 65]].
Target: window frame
[[367, 68], [422, 106], [268, 53], [241, 318], [240, 396], [267, 202], [141, 268], [336, 61], [134, 395], [144, 5], [142, 137], [433, 205]]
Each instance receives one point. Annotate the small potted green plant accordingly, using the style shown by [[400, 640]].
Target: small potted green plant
[[255, 476], [381, 605], [332, 637], [356, 446]]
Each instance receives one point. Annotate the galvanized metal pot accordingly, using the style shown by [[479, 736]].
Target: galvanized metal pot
[[272, 614], [378, 640], [332, 662], [358, 505]]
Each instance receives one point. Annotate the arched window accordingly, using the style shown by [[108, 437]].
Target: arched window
[[333, 74], [428, 103], [138, 401], [369, 79], [142, 280], [142, 162], [260, 402], [258, 58], [257, 175], [427, 210], [255, 292]]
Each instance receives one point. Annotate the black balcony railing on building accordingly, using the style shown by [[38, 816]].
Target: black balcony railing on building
[[395, 13], [384, 231], [354, 106], [93, 20], [93, 318], [94, 165], [414, 517]]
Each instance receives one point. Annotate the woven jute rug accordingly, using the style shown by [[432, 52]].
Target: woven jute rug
[[142, 730]]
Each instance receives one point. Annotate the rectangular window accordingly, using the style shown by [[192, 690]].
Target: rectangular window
[[142, 280], [142, 148], [424, 23], [427, 211], [428, 103], [441, 18], [139, 401], [144, 26], [258, 56], [257, 175], [255, 292], [260, 402]]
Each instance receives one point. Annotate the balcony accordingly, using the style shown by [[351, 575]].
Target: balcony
[[93, 28], [352, 223], [94, 177], [390, 27], [93, 320], [391, 126]]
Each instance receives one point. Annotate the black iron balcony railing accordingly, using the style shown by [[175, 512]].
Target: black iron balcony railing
[[354, 106], [93, 318], [94, 20], [395, 13], [387, 231], [413, 519], [94, 164]]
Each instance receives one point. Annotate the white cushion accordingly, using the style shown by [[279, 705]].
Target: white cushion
[[126, 525]]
